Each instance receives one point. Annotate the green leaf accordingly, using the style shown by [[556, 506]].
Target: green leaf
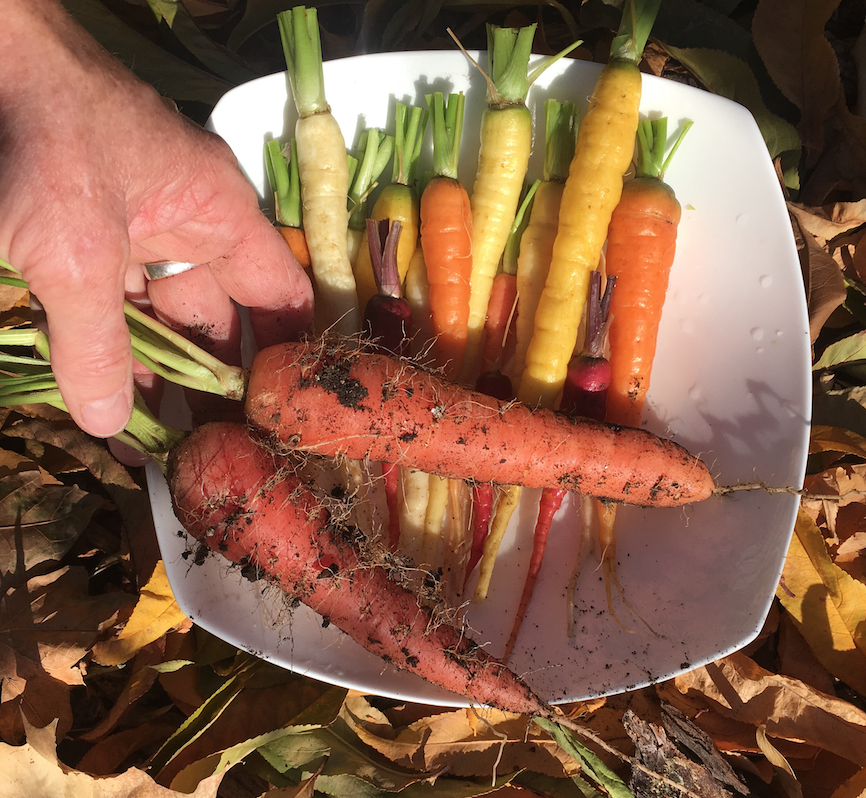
[[848, 350], [589, 762], [729, 76], [172, 76]]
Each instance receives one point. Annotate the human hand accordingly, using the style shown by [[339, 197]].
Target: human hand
[[99, 175]]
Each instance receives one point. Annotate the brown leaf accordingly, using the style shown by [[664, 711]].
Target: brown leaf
[[825, 286], [828, 606], [467, 745], [789, 36], [697, 765], [855, 787], [736, 687], [35, 763], [90, 452], [40, 522], [47, 625], [843, 217]]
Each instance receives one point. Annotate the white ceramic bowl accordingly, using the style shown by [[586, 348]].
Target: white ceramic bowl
[[731, 382]]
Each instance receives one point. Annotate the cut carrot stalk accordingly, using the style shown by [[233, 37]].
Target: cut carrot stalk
[[446, 234], [282, 170], [324, 171], [365, 167]]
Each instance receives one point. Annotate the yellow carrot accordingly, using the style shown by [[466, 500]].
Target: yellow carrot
[[536, 243], [323, 168], [398, 201], [603, 153], [506, 142]]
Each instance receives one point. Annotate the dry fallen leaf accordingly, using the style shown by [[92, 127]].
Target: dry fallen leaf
[[827, 605], [33, 769], [738, 688], [155, 614]]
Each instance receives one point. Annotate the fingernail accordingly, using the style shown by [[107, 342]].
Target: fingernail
[[106, 417]]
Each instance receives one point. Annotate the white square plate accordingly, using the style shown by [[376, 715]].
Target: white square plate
[[731, 382]]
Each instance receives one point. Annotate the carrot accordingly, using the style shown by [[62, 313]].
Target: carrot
[[285, 181], [335, 400], [398, 201], [536, 242], [506, 142], [584, 395], [640, 253], [603, 153], [446, 234], [323, 169]]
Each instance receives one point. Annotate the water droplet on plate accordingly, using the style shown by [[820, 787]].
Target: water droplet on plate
[[766, 281], [757, 333], [695, 392]]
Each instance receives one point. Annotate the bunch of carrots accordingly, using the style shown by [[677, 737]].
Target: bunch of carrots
[[492, 282]]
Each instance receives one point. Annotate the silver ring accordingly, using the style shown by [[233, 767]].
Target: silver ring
[[167, 268]]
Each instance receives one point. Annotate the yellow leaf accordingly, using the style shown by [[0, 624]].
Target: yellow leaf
[[827, 604], [155, 614]]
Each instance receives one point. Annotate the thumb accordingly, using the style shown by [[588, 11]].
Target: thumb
[[91, 355]]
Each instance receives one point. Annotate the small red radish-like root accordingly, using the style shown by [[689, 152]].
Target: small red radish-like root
[[243, 501]]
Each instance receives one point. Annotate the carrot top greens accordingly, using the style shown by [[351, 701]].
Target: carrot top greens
[[302, 47], [409, 127], [638, 18], [447, 126], [374, 152], [285, 182], [652, 137], [560, 132]]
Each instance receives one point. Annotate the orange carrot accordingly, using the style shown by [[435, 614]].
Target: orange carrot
[[446, 234], [297, 241], [241, 500], [640, 252], [334, 399]]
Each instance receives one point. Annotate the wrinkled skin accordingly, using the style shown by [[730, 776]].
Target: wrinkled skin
[[98, 175]]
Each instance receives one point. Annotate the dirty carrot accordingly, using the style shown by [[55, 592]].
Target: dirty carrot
[[505, 145], [337, 400], [603, 154], [446, 234], [398, 201], [323, 169]]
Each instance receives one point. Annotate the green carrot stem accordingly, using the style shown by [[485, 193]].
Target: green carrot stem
[[560, 134], [447, 126], [638, 18], [409, 130], [375, 152], [652, 145], [521, 219], [230, 381], [302, 48], [285, 182]]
